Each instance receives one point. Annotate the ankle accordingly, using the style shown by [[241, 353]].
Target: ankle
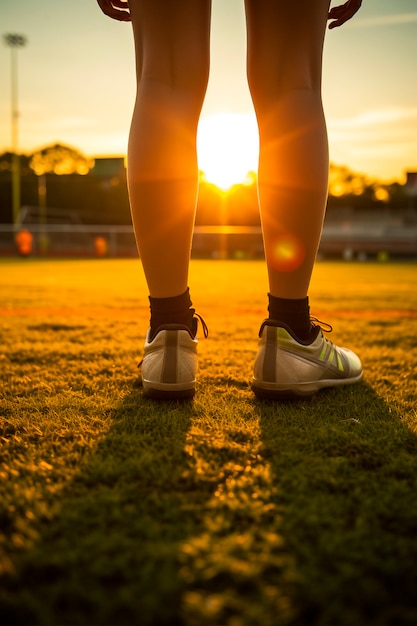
[[172, 310], [294, 313]]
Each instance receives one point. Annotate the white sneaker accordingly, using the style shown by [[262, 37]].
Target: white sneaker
[[169, 364], [286, 367]]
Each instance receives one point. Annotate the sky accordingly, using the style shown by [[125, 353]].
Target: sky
[[77, 82]]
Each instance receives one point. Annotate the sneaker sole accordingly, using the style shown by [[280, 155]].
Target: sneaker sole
[[271, 391], [161, 393]]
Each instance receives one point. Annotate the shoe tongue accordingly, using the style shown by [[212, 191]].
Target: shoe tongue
[[314, 333], [305, 339]]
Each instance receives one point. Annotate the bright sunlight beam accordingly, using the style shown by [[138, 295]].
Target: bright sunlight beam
[[228, 147]]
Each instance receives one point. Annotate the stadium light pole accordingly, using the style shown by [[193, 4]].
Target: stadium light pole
[[15, 41]]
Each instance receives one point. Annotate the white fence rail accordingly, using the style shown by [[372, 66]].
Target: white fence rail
[[344, 239]]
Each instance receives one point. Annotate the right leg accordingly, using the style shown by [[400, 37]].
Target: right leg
[[285, 41]]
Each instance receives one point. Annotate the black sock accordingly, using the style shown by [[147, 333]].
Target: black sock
[[175, 310], [293, 313]]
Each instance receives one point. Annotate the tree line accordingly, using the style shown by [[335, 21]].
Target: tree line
[[73, 185]]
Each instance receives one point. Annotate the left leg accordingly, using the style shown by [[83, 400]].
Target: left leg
[[172, 64]]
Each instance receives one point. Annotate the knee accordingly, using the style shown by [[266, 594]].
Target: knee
[[279, 84], [182, 78], [192, 80], [272, 94]]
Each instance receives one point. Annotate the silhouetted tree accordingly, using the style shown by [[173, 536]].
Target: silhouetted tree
[[6, 163], [56, 159], [60, 159], [28, 185]]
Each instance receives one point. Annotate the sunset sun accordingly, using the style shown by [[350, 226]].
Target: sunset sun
[[228, 146]]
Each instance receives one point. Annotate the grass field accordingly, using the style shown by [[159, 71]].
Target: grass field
[[225, 511]]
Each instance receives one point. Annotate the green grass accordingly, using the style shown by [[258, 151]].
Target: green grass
[[225, 511]]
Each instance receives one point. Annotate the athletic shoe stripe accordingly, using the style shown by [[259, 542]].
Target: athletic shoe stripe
[[327, 353], [169, 368], [345, 363], [269, 365]]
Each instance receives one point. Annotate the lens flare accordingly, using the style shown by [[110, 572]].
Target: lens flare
[[287, 253]]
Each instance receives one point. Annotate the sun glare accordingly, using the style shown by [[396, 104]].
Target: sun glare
[[287, 253], [228, 147]]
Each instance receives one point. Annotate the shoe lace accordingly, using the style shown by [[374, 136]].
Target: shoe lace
[[327, 328], [199, 318]]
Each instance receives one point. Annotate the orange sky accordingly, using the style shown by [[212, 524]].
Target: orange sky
[[76, 81]]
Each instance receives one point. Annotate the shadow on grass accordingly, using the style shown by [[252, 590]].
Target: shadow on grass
[[109, 556], [329, 539], [345, 467]]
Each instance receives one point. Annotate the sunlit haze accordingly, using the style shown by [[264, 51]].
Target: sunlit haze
[[228, 148], [77, 86]]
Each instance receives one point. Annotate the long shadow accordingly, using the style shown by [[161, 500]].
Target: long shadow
[[110, 554], [345, 469]]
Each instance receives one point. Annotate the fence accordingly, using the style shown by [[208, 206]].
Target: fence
[[346, 239]]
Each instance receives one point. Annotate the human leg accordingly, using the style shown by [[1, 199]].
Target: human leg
[[172, 63], [285, 42]]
